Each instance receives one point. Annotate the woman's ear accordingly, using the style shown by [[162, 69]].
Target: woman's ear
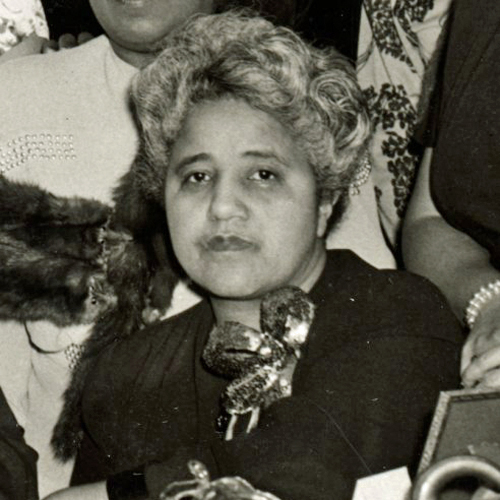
[[325, 210]]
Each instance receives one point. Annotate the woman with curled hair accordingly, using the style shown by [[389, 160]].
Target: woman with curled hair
[[302, 370], [312, 91]]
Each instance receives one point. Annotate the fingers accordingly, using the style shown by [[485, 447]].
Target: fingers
[[490, 380], [50, 46], [483, 337], [66, 41], [486, 340], [479, 340], [467, 352], [84, 37], [483, 370]]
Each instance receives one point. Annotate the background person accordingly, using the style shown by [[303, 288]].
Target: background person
[[397, 41], [452, 230], [23, 28]]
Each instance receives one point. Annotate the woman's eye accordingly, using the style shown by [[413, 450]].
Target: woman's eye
[[196, 178], [263, 175]]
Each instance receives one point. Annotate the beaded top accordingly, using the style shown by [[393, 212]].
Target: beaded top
[[44, 146]]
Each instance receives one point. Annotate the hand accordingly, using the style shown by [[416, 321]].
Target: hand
[[480, 365], [66, 41], [94, 491], [32, 44]]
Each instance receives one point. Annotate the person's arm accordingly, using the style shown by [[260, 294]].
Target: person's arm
[[459, 266]]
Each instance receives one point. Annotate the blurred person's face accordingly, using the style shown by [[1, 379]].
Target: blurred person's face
[[138, 26], [242, 204]]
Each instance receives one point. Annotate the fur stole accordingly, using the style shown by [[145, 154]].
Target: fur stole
[[77, 261]]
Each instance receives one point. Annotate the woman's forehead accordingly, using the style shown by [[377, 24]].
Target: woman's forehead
[[232, 125]]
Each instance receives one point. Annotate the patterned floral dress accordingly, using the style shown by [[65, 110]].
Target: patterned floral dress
[[19, 19], [396, 41]]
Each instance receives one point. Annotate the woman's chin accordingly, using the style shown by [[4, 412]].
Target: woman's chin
[[229, 289]]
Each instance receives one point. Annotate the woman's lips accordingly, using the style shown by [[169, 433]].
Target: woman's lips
[[133, 3], [230, 243]]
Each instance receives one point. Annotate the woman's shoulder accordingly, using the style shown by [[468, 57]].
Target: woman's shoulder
[[50, 81], [387, 301], [55, 65], [183, 323], [346, 268], [156, 340]]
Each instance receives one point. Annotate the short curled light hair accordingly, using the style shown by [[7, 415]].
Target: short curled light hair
[[310, 91]]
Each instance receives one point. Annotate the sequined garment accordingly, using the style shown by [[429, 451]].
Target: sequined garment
[[29, 147]]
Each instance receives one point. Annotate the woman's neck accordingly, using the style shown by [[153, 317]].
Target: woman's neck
[[134, 58], [247, 312]]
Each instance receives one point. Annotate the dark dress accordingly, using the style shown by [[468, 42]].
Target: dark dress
[[17, 459], [465, 170], [381, 347]]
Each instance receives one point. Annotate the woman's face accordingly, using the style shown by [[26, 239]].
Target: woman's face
[[140, 25], [241, 203]]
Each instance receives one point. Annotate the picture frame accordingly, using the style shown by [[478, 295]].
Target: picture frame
[[464, 422]]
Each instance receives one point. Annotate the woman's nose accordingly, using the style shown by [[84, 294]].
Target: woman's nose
[[227, 201]]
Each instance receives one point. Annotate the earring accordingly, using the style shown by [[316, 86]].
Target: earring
[[361, 176]]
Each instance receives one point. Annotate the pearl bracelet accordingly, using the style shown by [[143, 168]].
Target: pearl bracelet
[[480, 298]]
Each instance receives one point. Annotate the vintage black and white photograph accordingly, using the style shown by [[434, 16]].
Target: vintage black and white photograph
[[249, 250]]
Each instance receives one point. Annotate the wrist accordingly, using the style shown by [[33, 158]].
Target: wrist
[[484, 296]]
